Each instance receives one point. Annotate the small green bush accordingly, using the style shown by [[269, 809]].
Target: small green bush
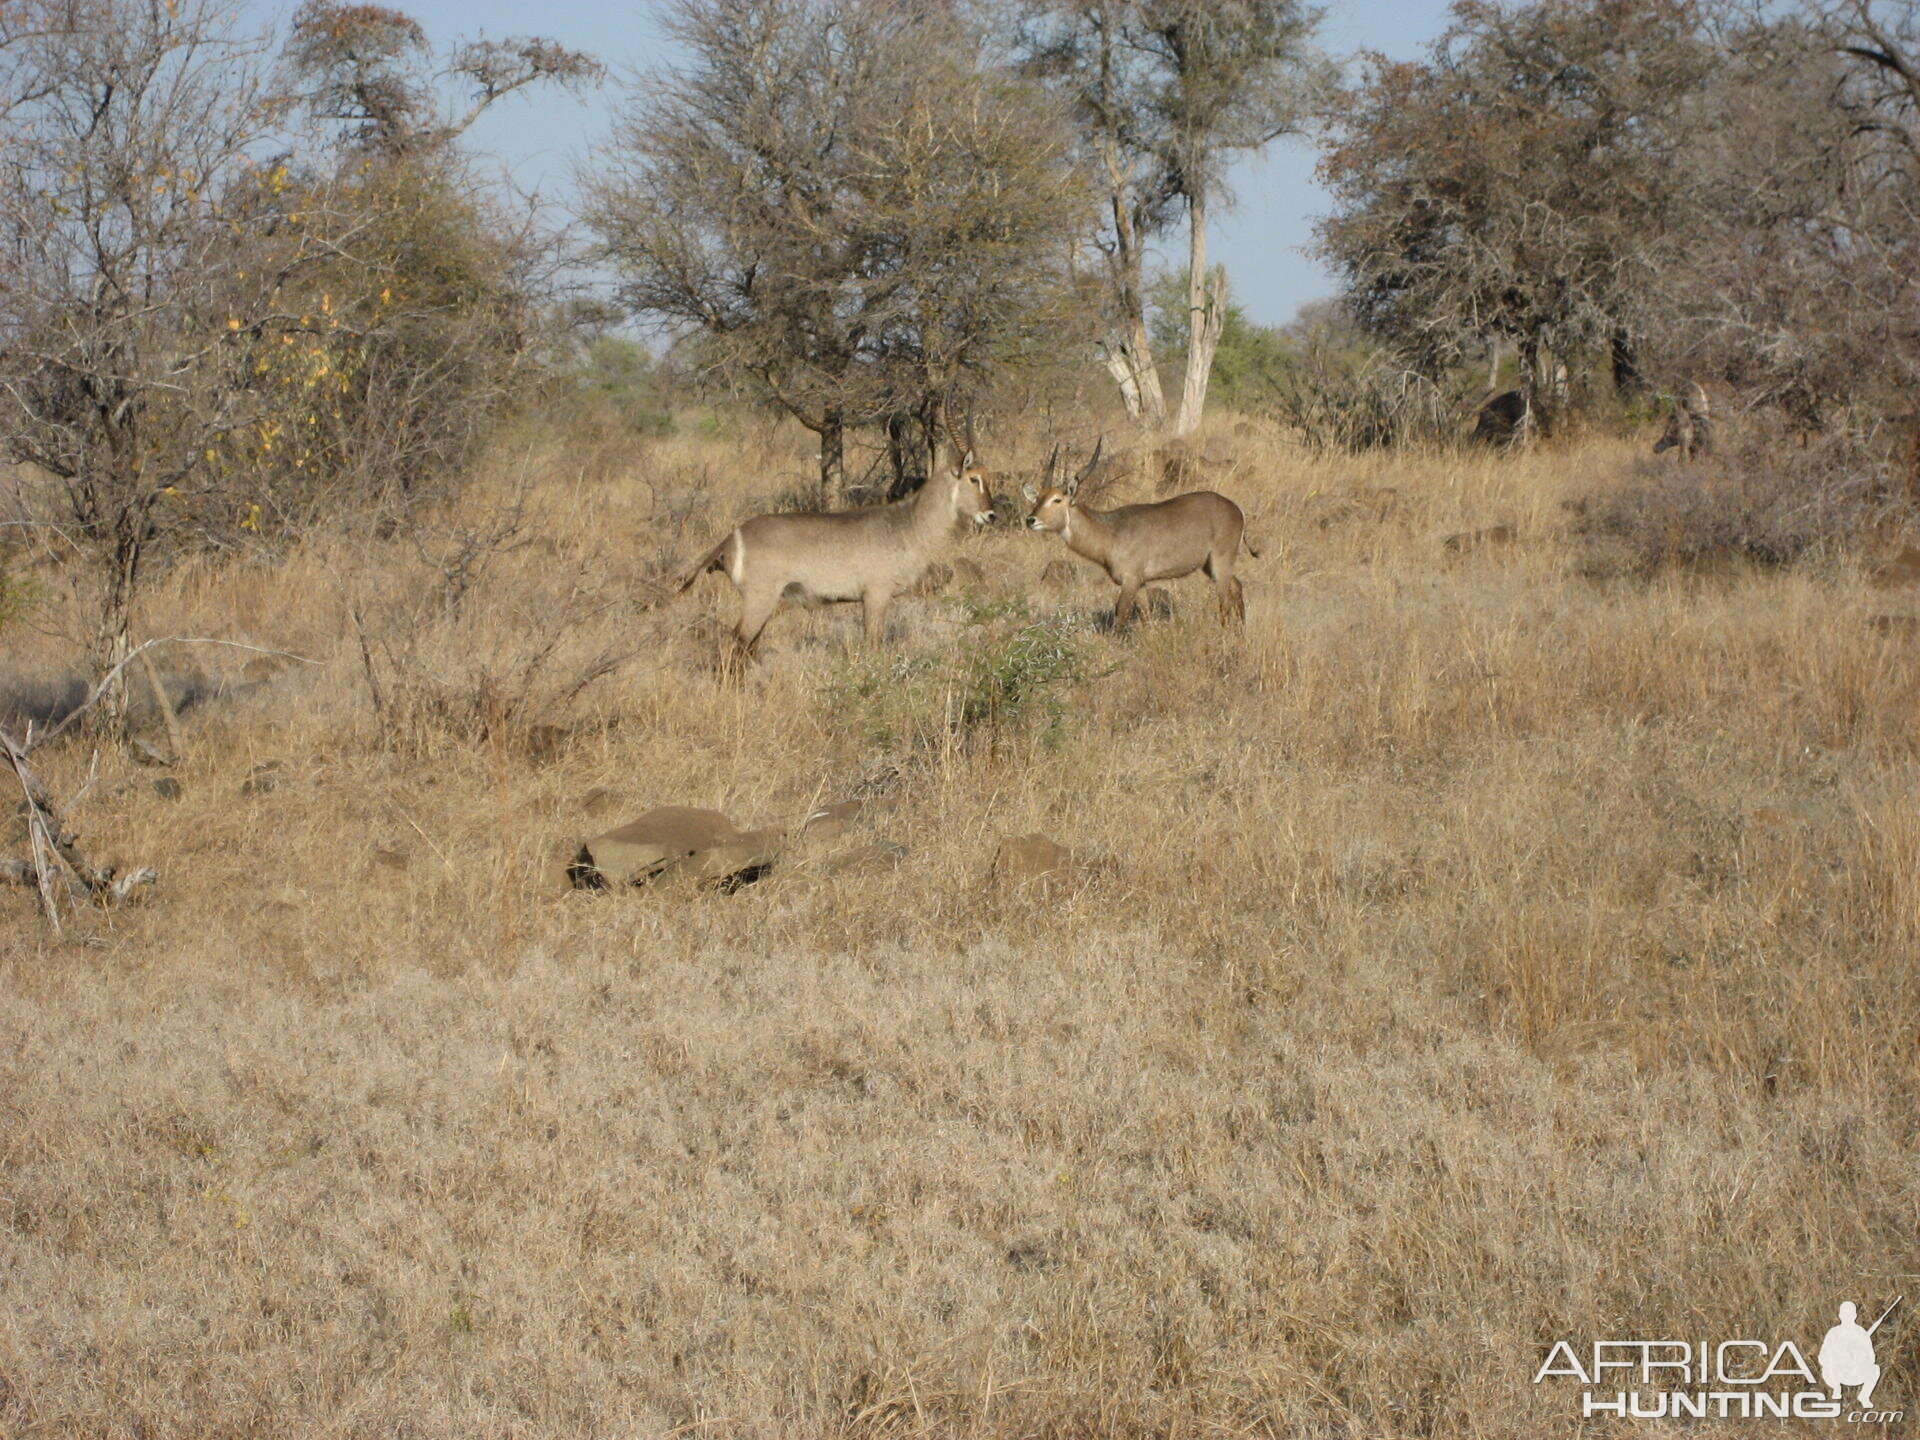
[[1007, 677]]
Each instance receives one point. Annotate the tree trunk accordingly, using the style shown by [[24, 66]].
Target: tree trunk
[[902, 450], [1129, 351], [833, 460], [113, 639], [1625, 357], [1206, 318]]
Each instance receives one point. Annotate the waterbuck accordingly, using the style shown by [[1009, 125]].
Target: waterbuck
[[1690, 426], [1137, 543], [869, 555]]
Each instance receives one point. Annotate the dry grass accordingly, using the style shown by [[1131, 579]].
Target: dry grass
[[1486, 956]]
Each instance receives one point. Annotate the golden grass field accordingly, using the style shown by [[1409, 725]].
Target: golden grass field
[[1477, 953]]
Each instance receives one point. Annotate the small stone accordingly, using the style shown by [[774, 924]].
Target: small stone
[[881, 855], [1903, 569], [167, 787], [1025, 861]]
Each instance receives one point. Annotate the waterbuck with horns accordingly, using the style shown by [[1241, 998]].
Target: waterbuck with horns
[[869, 555], [1134, 544]]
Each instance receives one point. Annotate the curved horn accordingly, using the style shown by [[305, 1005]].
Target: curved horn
[[1093, 460], [1053, 468]]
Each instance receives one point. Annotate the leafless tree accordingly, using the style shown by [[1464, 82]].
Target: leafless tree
[[1165, 93], [846, 208], [1524, 184], [135, 163], [195, 303]]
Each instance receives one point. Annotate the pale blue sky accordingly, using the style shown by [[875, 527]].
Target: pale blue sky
[[540, 136]]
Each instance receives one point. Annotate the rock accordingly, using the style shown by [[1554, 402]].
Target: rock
[[878, 856], [1058, 574], [547, 742], [1032, 861], [145, 753], [263, 780], [167, 787], [1486, 539], [1902, 569], [738, 862], [829, 822], [648, 847], [390, 858], [935, 578]]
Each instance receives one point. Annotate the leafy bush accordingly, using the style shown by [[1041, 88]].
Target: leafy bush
[[1005, 678], [620, 375]]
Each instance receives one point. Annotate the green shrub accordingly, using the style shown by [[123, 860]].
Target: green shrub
[[1007, 678]]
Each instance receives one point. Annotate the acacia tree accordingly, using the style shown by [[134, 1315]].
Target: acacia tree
[[1165, 94], [133, 168], [1799, 286], [848, 211], [1524, 184]]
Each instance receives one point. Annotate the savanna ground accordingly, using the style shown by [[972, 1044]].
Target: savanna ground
[[1486, 949]]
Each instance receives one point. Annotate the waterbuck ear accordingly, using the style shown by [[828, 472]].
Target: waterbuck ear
[[967, 461], [1072, 487], [1029, 494]]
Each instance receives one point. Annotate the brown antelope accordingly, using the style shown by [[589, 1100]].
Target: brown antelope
[[1137, 543], [869, 555], [1689, 427]]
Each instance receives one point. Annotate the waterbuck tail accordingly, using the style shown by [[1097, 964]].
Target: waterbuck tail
[[714, 559]]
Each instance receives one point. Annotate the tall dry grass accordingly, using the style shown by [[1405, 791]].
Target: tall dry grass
[[1481, 954]]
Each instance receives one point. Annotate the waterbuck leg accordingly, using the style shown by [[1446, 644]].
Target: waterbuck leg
[[1123, 607], [1233, 602], [755, 610], [873, 609]]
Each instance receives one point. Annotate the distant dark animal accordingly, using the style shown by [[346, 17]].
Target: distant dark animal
[[1689, 425], [1503, 419]]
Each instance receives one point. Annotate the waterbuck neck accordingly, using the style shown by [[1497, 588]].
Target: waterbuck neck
[[1087, 533], [936, 508]]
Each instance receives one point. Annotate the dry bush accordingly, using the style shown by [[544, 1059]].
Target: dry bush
[[1344, 403], [1758, 498], [1484, 956]]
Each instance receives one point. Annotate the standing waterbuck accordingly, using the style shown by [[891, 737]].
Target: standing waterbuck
[[1137, 543], [868, 555]]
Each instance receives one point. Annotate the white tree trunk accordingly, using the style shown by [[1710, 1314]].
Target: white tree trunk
[[1206, 318]]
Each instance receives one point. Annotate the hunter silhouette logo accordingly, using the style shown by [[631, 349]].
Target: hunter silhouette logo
[[1846, 1355], [1740, 1378]]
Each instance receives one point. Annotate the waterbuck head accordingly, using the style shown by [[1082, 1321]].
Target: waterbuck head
[[1053, 503], [972, 490]]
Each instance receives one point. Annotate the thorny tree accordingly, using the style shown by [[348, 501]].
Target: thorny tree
[[842, 208], [134, 168], [165, 258]]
